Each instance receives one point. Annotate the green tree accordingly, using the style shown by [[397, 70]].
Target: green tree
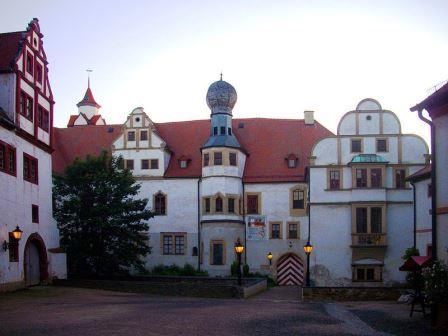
[[102, 224]]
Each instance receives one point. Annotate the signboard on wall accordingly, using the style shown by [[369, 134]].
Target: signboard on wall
[[256, 228]]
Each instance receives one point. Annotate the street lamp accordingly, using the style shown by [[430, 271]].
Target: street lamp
[[308, 248], [269, 256], [239, 249], [17, 234]]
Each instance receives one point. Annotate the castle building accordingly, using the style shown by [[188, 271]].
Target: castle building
[[26, 144], [360, 202]]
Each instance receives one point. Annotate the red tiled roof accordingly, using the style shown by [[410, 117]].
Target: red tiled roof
[[94, 119], [267, 141], [9, 49], [88, 99], [91, 121], [434, 101], [421, 174]]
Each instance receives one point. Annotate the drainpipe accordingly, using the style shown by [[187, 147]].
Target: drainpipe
[[244, 220], [199, 225], [415, 215], [433, 183]]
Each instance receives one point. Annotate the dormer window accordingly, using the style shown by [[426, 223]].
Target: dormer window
[[292, 161], [183, 162]]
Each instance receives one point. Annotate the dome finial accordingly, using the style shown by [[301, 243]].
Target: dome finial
[[220, 76]]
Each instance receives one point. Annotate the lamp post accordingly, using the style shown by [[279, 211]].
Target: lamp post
[[239, 249], [269, 256], [17, 234], [308, 248]]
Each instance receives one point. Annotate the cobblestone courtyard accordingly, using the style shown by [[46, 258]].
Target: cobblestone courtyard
[[72, 311]]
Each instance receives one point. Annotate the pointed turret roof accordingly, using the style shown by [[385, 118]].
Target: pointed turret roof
[[88, 99]]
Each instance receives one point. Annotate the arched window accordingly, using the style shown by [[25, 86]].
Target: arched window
[[298, 199], [218, 205], [160, 204]]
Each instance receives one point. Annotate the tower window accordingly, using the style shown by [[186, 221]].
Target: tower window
[[207, 204], [215, 130], [231, 205], [206, 160], [232, 159], [229, 130], [218, 204], [217, 158], [223, 130]]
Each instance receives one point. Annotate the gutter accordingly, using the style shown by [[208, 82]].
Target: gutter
[[433, 183], [415, 215], [199, 224]]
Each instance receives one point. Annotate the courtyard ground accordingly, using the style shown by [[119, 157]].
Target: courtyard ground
[[279, 311]]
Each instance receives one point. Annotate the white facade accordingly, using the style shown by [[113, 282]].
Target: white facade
[[361, 210]]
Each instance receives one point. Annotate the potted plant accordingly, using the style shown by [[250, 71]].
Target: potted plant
[[436, 290]]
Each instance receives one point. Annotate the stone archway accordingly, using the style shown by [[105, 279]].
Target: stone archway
[[290, 270], [35, 261]]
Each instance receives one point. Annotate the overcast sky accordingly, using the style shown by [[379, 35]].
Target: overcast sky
[[282, 57]]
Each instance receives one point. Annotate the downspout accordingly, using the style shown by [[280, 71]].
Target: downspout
[[199, 225], [415, 215], [309, 204], [244, 220], [433, 183]]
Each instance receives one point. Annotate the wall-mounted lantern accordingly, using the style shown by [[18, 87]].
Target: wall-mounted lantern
[[17, 234]]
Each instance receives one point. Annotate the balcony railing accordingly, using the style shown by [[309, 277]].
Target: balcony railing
[[369, 239]]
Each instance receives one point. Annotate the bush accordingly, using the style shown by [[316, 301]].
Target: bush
[[246, 272], [436, 282], [234, 269], [174, 270]]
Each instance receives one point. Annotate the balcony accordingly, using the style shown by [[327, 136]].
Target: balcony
[[369, 240]]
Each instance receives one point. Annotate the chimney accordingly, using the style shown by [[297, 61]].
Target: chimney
[[309, 117]]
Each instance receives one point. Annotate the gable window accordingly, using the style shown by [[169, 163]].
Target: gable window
[[29, 108], [375, 177], [30, 169], [335, 179], [160, 204], [400, 178], [29, 63], [217, 158], [381, 145], [129, 164], [217, 252], [143, 135], [361, 178], [207, 205], [38, 73], [231, 205], [252, 204], [145, 164], [291, 163], [42, 118], [293, 231], [35, 213], [298, 197], [223, 130], [232, 159], [154, 164], [218, 204], [7, 158], [131, 136], [22, 103], [206, 161], [275, 231], [356, 146]]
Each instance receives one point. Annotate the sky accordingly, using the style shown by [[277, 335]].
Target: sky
[[282, 57]]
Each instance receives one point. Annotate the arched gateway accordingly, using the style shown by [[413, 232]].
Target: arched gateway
[[290, 270], [35, 260]]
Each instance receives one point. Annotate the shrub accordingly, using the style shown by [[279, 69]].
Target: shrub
[[246, 272], [234, 269], [436, 282], [174, 270]]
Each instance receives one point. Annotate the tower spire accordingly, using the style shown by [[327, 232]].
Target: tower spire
[[88, 77]]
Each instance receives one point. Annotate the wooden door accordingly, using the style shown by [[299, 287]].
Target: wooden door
[[32, 265]]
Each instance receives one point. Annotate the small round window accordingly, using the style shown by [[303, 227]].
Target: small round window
[[137, 119], [369, 117]]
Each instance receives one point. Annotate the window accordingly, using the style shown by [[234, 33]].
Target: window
[[7, 158], [429, 250], [400, 178], [218, 204], [35, 213], [298, 197], [361, 178], [375, 177], [429, 190], [29, 63], [206, 161], [30, 169], [22, 103], [215, 130], [145, 164], [275, 231], [361, 220], [207, 205], [232, 159], [335, 179], [131, 136], [39, 73], [167, 244], [26, 105], [143, 135], [356, 146], [183, 164], [179, 245], [231, 205], [292, 163], [217, 157], [229, 130], [252, 204], [293, 231], [154, 164], [223, 130], [376, 220], [29, 108], [13, 248], [129, 164], [217, 253], [42, 118], [366, 273], [160, 204], [381, 145]]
